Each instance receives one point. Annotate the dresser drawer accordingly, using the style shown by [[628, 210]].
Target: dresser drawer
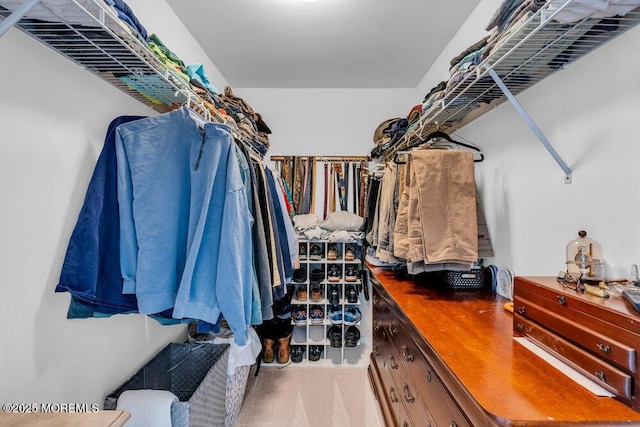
[[601, 372], [413, 403], [609, 316], [580, 333]]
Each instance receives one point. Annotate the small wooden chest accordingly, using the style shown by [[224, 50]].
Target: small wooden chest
[[599, 337]]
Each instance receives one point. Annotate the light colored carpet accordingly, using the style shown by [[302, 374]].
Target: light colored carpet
[[309, 396]]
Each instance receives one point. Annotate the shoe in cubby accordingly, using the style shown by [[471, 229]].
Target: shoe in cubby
[[315, 352], [351, 273], [300, 275], [332, 252], [352, 315], [334, 314], [302, 251], [351, 294], [335, 273], [316, 275], [315, 252], [316, 292], [350, 254], [334, 334], [333, 294], [301, 293], [299, 315], [297, 353], [351, 336], [316, 314]]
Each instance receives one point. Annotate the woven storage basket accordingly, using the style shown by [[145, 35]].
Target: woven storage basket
[[195, 372], [462, 280]]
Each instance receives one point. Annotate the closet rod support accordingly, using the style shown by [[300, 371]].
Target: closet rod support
[[17, 15], [525, 116]]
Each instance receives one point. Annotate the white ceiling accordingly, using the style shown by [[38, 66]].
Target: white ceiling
[[323, 43]]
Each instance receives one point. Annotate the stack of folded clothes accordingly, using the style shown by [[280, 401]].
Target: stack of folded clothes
[[435, 94], [467, 61]]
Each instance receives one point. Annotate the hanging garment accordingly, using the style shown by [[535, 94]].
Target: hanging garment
[[341, 187], [280, 220], [326, 191], [387, 214], [261, 246], [276, 279], [91, 268], [179, 192], [332, 189], [312, 184], [245, 173], [347, 187], [446, 191]]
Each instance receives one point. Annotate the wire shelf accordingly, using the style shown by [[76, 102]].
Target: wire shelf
[[88, 33], [539, 48]]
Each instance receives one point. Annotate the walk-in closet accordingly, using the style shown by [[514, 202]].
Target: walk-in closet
[[319, 213]]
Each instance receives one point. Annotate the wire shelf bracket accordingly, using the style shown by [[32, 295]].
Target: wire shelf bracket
[[529, 121], [17, 15]]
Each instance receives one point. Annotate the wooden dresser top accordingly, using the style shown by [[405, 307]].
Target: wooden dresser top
[[471, 335]]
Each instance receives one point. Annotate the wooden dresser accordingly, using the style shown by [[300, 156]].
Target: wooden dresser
[[444, 358], [599, 337]]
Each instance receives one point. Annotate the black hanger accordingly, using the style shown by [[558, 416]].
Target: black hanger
[[440, 134]]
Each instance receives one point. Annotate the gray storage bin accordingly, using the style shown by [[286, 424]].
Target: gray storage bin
[[195, 372]]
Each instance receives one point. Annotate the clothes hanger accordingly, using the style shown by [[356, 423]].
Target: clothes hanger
[[443, 135], [438, 135]]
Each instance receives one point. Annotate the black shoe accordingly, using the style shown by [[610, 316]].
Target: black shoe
[[315, 352], [334, 273], [300, 275], [335, 336], [351, 273], [316, 276], [297, 352], [334, 295], [351, 336], [352, 295]]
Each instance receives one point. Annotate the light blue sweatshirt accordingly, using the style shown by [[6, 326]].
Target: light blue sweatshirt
[[185, 223]]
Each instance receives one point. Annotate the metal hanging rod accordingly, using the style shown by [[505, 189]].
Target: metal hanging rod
[[327, 158]]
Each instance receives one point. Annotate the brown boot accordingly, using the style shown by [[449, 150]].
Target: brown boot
[[284, 351], [268, 350]]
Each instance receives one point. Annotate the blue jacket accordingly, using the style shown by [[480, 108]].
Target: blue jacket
[[91, 268], [185, 222]]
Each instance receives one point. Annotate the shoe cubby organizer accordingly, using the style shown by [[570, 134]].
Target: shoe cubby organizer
[[330, 315]]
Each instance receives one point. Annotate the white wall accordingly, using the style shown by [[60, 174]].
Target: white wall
[[327, 122], [590, 113], [53, 119]]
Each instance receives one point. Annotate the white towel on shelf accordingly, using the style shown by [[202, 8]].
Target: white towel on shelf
[[147, 407]]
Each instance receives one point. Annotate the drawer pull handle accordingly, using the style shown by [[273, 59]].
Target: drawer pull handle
[[601, 376], [428, 376], [604, 348], [521, 326], [392, 331], [375, 350], [522, 310], [392, 395], [453, 424], [561, 299], [407, 394], [405, 353], [376, 325], [392, 362], [405, 424]]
